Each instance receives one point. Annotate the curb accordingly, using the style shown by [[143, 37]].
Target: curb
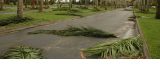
[[145, 46]]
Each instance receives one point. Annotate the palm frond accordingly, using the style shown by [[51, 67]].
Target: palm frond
[[75, 31], [127, 48], [23, 52]]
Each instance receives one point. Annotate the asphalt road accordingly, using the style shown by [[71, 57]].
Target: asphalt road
[[59, 47]]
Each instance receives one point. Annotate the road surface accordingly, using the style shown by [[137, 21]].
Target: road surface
[[59, 47]]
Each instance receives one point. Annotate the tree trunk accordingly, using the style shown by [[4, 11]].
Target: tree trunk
[[58, 4], [105, 5], [46, 4], [97, 3], [146, 6], [25, 3], [33, 4], [52, 2], [86, 3], [1, 4], [41, 6], [70, 4], [37, 3], [20, 9], [158, 10]]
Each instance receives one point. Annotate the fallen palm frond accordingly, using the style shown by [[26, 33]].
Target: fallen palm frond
[[127, 48], [70, 14], [22, 52], [73, 10], [75, 31]]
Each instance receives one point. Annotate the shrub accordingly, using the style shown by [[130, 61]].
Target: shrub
[[23, 52], [127, 48], [74, 31], [13, 20]]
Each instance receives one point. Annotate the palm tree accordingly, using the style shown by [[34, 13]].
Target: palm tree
[[144, 6], [37, 3], [25, 3], [20, 9], [46, 4], [41, 6], [58, 4], [158, 10], [33, 4], [96, 3], [86, 3], [70, 4], [1, 4]]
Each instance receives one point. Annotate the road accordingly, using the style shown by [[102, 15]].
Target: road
[[60, 47]]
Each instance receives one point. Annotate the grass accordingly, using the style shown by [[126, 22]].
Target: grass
[[151, 29], [23, 52], [14, 20], [48, 16], [126, 48], [74, 31], [7, 10]]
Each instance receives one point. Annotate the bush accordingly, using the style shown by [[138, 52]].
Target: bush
[[23, 52], [127, 48], [74, 31]]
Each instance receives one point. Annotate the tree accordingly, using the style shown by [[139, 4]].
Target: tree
[[52, 2], [58, 4], [144, 6], [86, 3], [158, 10], [20, 9], [70, 4], [1, 4], [33, 4], [41, 6], [37, 3], [46, 4]]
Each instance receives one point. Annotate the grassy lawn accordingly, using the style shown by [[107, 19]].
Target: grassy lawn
[[48, 16], [151, 29]]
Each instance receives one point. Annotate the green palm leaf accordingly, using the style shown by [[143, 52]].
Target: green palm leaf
[[22, 52]]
